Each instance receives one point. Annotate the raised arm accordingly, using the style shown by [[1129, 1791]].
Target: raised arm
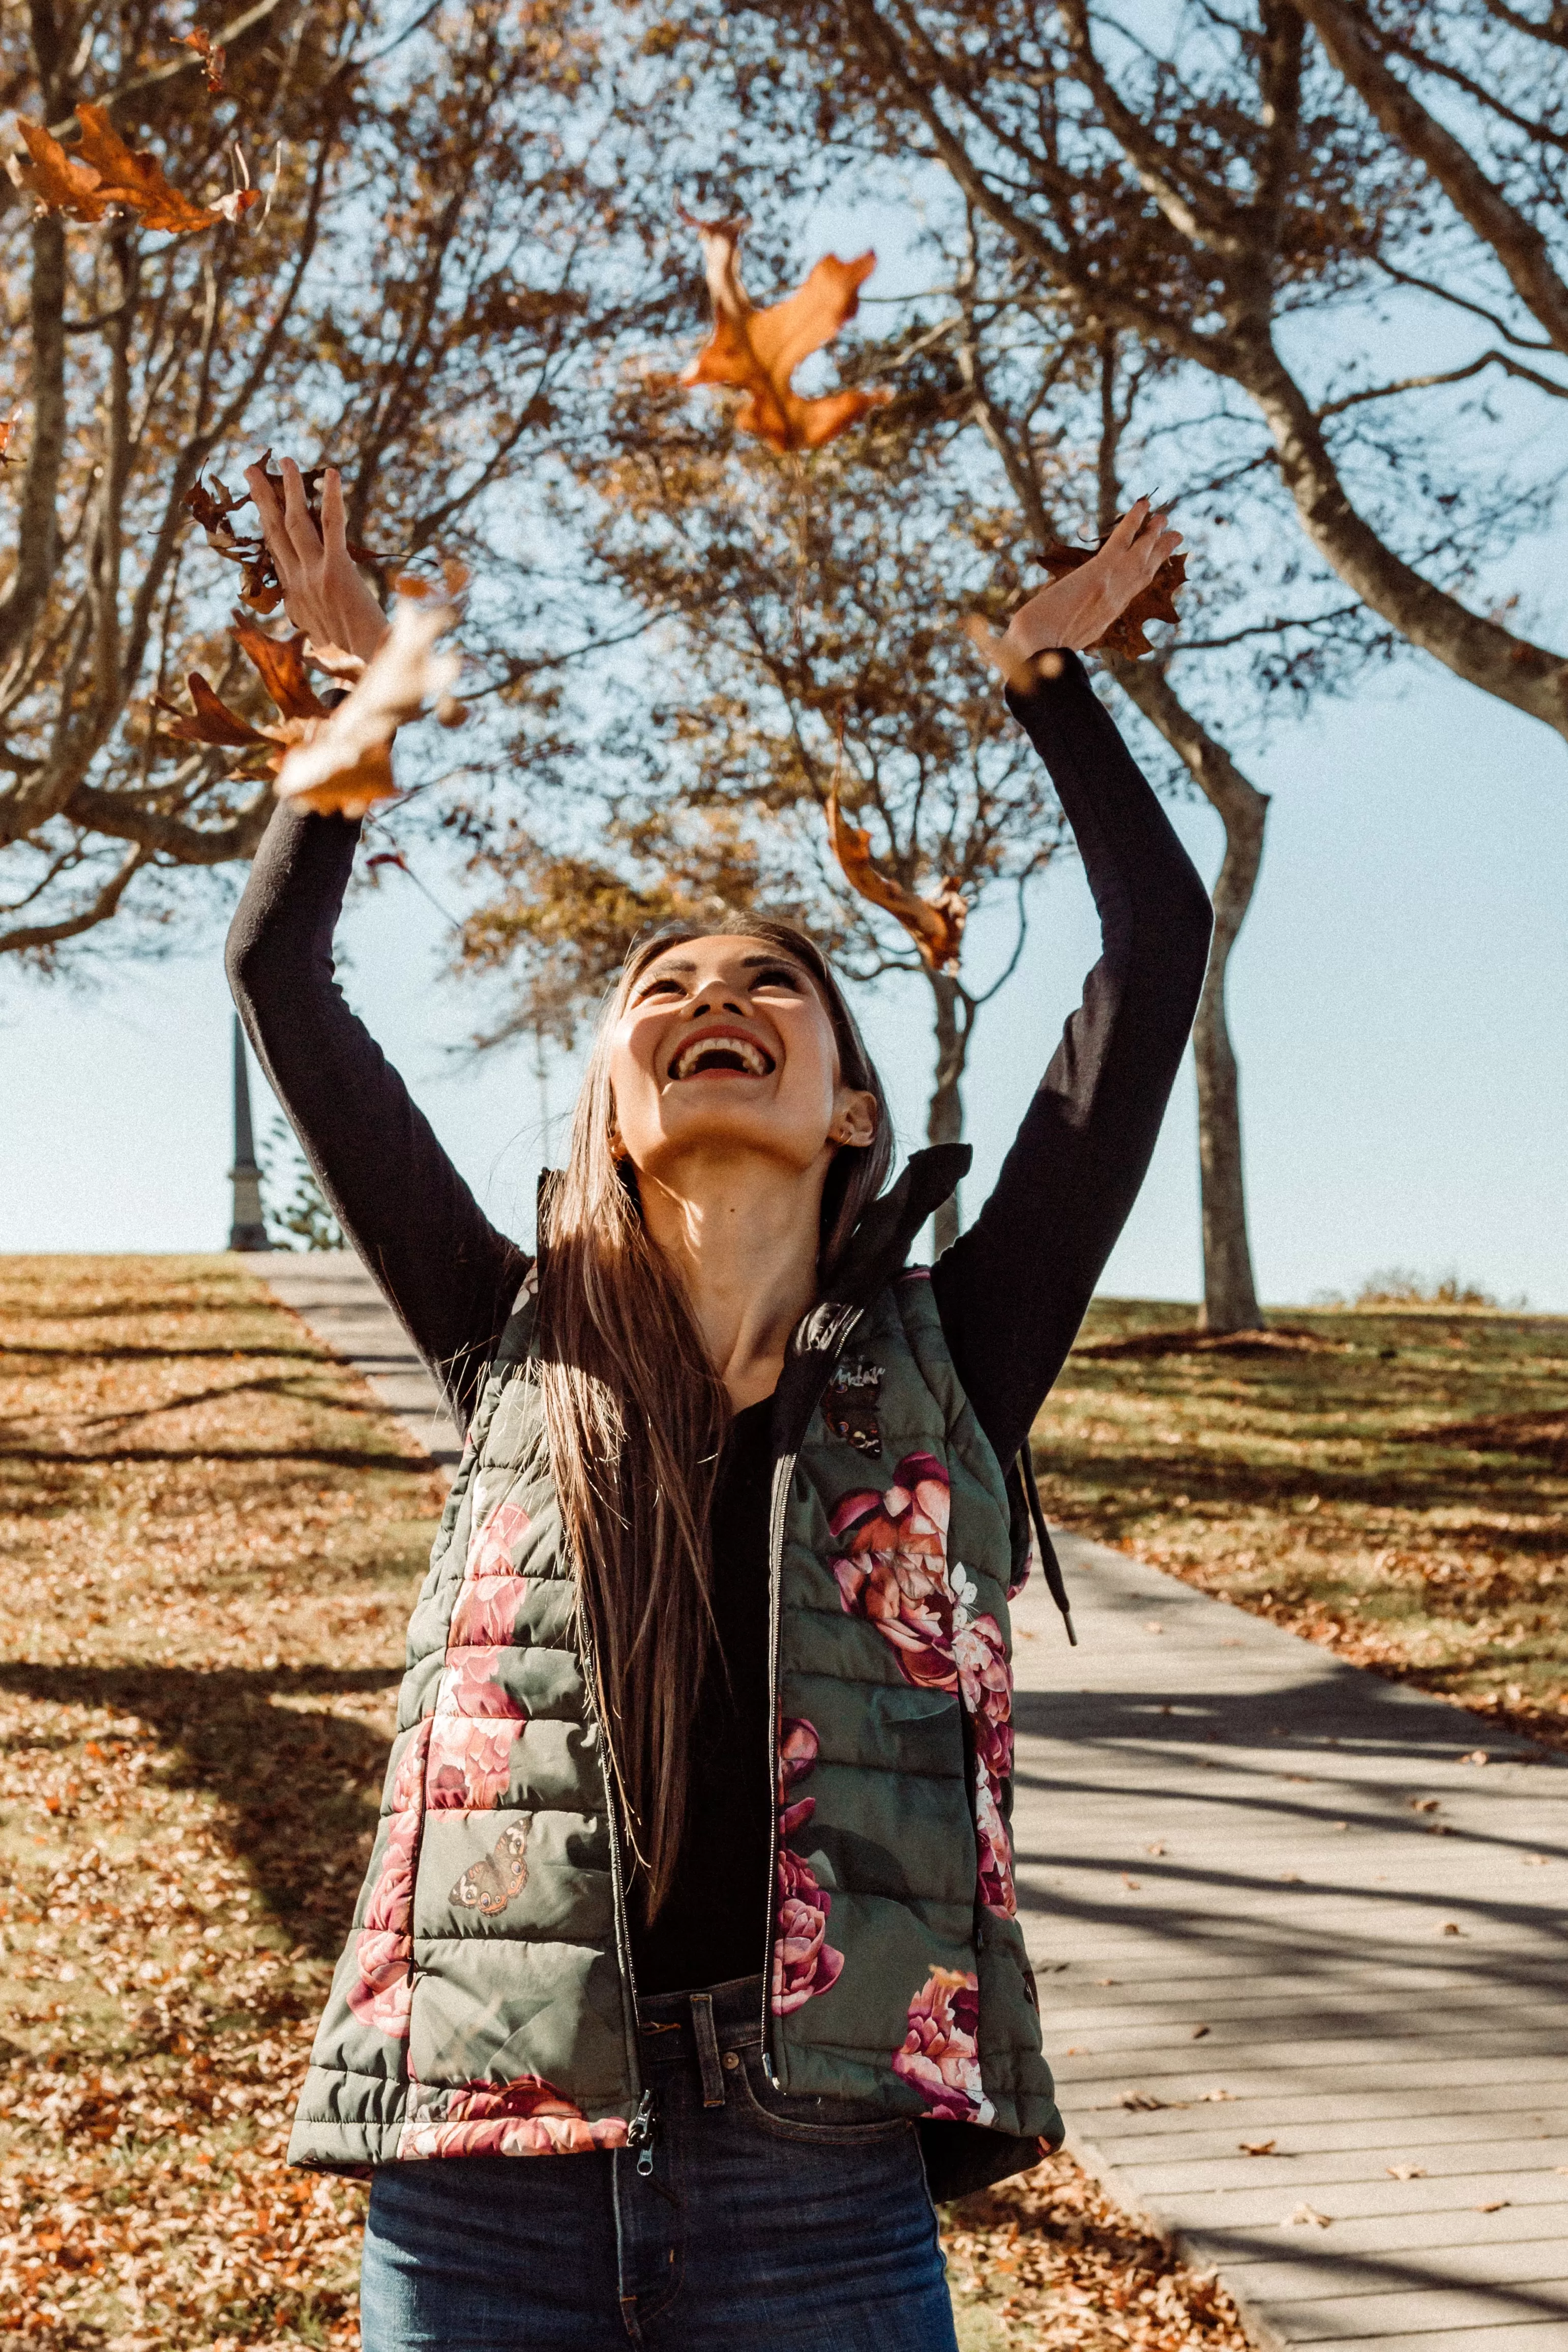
[[1013, 1289], [446, 1272]]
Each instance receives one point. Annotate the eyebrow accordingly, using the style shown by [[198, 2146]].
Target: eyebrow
[[747, 964]]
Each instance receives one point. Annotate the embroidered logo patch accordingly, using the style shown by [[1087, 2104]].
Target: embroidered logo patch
[[849, 1406]]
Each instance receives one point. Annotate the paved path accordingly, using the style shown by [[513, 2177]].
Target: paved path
[[1245, 1869], [1280, 1907], [332, 1294]]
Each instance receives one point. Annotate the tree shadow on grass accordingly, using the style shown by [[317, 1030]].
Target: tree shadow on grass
[[299, 1779]]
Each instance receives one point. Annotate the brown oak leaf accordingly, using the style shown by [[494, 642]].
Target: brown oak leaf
[[757, 351], [213, 722], [104, 173], [935, 924], [1126, 635], [53, 176], [259, 588]]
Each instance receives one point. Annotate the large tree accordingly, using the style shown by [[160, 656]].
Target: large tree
[[1347, 220], [417, 304]]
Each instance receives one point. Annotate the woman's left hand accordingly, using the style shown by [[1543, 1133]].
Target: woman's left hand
[[324, 591], [1076, 610]]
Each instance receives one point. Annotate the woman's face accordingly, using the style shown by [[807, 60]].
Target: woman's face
[[727, 1043]]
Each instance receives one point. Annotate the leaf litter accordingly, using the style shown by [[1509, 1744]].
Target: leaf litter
[[212, 1535]]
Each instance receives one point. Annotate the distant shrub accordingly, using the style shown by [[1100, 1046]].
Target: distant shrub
[[1398, 1286]]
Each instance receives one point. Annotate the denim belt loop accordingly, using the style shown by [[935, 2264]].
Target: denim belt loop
[[708, 2050]]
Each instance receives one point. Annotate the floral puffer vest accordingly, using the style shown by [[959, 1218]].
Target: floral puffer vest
[[485, 2004]]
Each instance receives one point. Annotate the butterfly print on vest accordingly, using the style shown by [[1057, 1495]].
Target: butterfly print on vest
[[849, 1408], [489, 1883]]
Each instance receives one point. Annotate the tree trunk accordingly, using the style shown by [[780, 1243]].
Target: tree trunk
[[1229, 1293], [944, 1114]]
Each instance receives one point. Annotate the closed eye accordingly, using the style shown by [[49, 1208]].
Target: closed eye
[[779, 975]]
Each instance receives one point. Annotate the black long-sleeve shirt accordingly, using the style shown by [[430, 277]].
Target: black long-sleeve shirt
[[1011, 1291]]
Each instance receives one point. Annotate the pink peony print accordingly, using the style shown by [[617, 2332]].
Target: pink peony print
[[893, 1572], [527, 2116], [383, 1992], [892, 1568], [798, 1746], [940, 2055], [469, 1685], [490, 1543], [804, 1963], [470, 1761], [485, 1610]]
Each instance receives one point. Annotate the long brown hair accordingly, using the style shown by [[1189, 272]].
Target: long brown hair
[[637, 1415]]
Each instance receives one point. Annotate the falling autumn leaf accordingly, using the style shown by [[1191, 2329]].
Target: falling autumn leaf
[[281, 663], [757, 351], [103, 173], [346, 764], [935, 924], [8, 427], [1126, 636], [212, 57], [213, 722], [261, 589]]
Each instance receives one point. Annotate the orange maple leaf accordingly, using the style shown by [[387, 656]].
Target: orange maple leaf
[[1156, 602], [935, 924], [757, 351]]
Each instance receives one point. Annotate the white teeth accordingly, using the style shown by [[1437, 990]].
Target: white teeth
[[752, 1059]]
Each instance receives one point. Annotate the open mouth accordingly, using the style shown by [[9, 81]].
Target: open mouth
[[727, 1052]]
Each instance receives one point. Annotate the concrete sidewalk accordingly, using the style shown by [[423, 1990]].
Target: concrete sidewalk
[[1276, 1906]]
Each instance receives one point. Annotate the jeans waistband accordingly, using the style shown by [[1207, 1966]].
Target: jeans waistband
[[736, 2009]]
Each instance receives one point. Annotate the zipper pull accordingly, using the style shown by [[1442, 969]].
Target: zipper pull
[[640, 2134]]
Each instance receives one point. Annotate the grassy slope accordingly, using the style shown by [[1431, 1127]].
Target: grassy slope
[[1392, 1483], [211, 1537]]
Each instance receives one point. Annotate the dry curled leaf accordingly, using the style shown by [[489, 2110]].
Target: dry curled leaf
[[1126, 636], [346, 764], [757, 351], [212, 58], [1306, 2217], [103, 173], [8, 427], [1257, 2147], [279, 662], [1406, 2171], [935, 924]]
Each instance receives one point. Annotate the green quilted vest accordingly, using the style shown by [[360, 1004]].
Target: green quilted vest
[[485, 2003]]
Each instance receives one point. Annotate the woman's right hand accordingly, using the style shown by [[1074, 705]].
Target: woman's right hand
[[1077, 609], [324, 591]]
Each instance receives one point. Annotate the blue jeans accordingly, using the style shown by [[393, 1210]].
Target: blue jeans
[[757, 2226]]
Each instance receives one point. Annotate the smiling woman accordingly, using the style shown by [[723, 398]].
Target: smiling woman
[[695, 1880]]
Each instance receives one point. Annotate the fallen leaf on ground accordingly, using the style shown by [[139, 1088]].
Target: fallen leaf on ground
[[1306, 2217], [1493, 2205], [346, 765], [757, 351], [1451, 1927], [1141, 2101], [1406, 2171], [1135, 1884], [1198, 2031], [1257, 2147]]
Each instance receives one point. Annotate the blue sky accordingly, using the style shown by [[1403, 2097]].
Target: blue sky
[[1400, 1009], [1399, 1005]]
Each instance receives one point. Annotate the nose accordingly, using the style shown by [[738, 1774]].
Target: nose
[[712, 1000]]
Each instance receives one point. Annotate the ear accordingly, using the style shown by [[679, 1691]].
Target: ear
[[854, 1118]]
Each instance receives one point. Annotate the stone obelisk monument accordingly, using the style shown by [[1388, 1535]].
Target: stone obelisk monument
[[248, 1230]]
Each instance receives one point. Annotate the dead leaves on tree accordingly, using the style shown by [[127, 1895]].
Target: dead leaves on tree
[[101, 175], [935, 924], [756, 351], [212, 58]]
